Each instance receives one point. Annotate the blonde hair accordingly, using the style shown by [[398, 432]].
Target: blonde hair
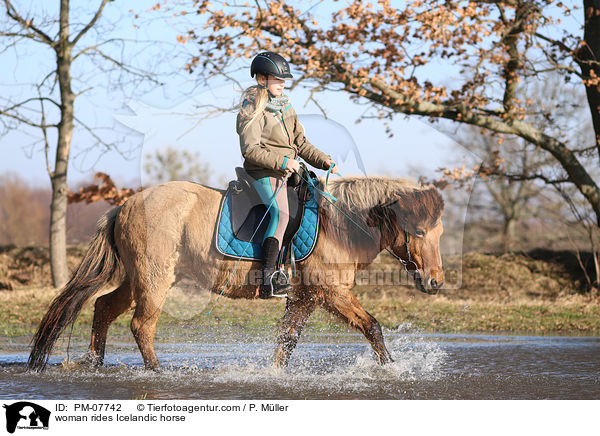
[[258, 96]]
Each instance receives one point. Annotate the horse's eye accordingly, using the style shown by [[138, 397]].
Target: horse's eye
[[420, 233]]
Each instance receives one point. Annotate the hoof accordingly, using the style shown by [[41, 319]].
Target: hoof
[[384, 359], [155, 368], [88, 360]]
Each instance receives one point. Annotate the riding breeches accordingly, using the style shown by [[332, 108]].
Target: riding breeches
[[279, 210]]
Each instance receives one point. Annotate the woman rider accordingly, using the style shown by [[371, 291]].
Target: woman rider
[[271, 140]]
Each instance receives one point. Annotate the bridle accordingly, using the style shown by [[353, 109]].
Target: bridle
[[409, 264]]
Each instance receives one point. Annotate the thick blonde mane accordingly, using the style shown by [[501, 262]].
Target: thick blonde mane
[[357, 196], [360, 193]]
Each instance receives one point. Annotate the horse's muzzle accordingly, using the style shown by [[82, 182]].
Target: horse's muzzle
[[432, 287]]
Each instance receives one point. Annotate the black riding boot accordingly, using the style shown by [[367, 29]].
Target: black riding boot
[[273, 283]]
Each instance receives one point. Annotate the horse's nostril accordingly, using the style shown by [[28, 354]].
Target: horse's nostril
[[433, 283]]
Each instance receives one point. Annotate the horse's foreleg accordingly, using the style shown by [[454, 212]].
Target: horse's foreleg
[[346, 307], [296, 314], [107, 308]]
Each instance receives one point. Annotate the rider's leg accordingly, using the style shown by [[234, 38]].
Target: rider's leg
[[279, 214]]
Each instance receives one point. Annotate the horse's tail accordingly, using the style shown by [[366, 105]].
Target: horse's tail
[[98, 266]]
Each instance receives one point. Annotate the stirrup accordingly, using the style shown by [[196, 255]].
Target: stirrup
[[278, 289], [274, 288]]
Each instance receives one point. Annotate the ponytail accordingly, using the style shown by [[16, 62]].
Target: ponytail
[[258, 95]]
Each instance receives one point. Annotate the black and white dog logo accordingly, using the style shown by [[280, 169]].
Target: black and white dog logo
[[26, 415]]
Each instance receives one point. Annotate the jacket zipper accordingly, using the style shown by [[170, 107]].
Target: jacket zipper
[[288, 135]]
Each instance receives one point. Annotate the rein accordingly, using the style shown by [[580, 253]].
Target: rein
[[409, 263]]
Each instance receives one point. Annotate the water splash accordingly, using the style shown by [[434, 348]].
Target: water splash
[[341, 366]]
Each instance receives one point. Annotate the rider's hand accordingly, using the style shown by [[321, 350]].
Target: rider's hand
[[293, 165], [330, 162]]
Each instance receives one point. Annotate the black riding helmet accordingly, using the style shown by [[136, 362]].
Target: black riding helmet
[[271, 63]]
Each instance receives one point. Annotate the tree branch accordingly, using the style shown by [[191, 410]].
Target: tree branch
[[27, 24], [45, 133], [537, 176], [577, 173], [26, 121], [24, 102], [509, 40], [91, 23], [128, 68]]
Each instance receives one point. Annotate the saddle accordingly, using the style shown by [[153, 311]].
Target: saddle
[[239, 228]]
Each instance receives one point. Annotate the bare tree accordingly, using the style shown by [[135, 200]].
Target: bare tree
[[175, 164], [510, 200], [83, 54]]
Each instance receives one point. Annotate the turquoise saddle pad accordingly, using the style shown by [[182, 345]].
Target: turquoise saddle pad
[[303, 242]]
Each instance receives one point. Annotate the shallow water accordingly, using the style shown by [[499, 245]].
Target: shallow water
[[338, 366]]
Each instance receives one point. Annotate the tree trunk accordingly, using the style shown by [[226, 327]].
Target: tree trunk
[[58, 178], [58, 232], [507, 234], [589, 60]]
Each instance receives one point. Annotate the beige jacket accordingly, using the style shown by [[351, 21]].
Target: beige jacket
[[271, 138]]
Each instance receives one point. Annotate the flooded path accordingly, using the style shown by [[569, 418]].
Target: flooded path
[[332, 366]]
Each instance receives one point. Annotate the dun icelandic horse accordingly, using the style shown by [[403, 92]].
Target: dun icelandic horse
[[166, 231]]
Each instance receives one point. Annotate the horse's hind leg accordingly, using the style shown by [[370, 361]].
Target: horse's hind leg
[[346, 307], [296, 314], [107, 308], [149, 301]]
